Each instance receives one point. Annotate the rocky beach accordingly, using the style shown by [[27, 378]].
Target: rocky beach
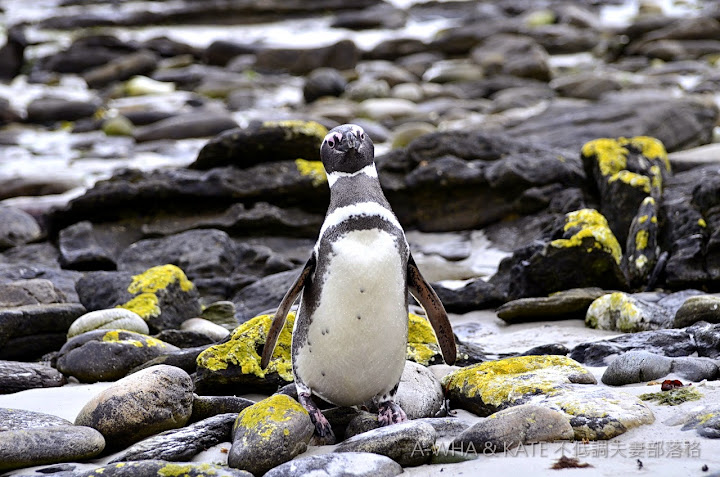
[[556, 168]]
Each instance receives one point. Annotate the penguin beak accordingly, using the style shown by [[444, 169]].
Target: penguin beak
[[350, 141]]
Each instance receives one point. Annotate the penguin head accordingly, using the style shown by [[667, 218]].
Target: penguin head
[[346, 149]]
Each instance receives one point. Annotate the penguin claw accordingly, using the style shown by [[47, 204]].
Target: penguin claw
[[390, 412], [323, 430]]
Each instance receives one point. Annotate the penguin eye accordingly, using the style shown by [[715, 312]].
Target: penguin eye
[[330, 142], [361, 135]]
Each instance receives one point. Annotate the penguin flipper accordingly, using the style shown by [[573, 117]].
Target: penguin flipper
[[282, 311], [426, 296]]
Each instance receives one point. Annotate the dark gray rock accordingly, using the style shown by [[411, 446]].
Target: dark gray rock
[[586, 86], [636, 367], [107, 355], [567, 304], [707, 339], [670, 343], [81, 249], [35, 291], [17, 419], [161, 468], [672, 302], [121, 68], [205, 407], [375, 17], [573, 126], [362, 422], [278, 423], [323, 82], [448, 180], [220, 52], [185, 338], [475, 295], [513, 55], [22, 267], [50, 110], [262, 142], [698, 308], [48, 445], [140, 405], [17, 376], [12, 54], [182, 444], [353, 464], [343, 55], [183, 126], [695, 369], [17, 227], [408, 443], [28, 332], [266, 293], [524, 424]]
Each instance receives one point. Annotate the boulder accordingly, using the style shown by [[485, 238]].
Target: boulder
[[567, 304], [110, 319], [17, 227], [343, 55], [184, 126], [145, 403], [50, 110], [623, 312], [353, 464], [636, 367], [698, 308]]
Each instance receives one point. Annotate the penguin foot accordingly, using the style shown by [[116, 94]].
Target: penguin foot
[[389, 412], [323, 430]]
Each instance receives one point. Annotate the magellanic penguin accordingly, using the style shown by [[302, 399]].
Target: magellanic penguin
[[350, 335]]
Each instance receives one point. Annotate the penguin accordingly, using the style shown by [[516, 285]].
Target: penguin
[[350, 334]]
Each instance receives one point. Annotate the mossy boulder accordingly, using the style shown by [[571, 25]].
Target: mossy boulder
[[579, 250], [269, 433], [236, 363], [625, 171], [268, 141], [162, 295], [108, 355], [698, 308], [623, 312], [555, 382]]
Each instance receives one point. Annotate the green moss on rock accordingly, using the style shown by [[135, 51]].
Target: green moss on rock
[[673, 397]]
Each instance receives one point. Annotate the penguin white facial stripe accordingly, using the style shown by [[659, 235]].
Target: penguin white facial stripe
[[342, 214], [368, 170]]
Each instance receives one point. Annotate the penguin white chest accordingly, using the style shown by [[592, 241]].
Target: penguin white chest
[[357, 335]]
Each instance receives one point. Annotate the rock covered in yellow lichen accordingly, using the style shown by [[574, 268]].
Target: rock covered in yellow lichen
[[107, 355], [422, 346], [625, 171], [269, 433], [623, 312], [161, 468], [642, 248], [589, 229], [555, 382], [487, 387], [237, 362], [163, 296]]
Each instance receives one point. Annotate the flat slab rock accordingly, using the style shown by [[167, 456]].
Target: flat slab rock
[[162, 468], [565, 304], [18, 376]]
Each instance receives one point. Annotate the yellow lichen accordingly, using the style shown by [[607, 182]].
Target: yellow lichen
[[314, 169], [641, 239], [242, 349], [611, 156], [147, 305], [640, 262], [702, 223], [159, 278], [642, 219], [592, 224], [651, 148], [510, 379], [114, 336], [422, 344], [632, 179], [263, 417], [180, 470]]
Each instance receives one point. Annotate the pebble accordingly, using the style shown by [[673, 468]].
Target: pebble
[[110, 319], [17, 227], [636, 367]]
